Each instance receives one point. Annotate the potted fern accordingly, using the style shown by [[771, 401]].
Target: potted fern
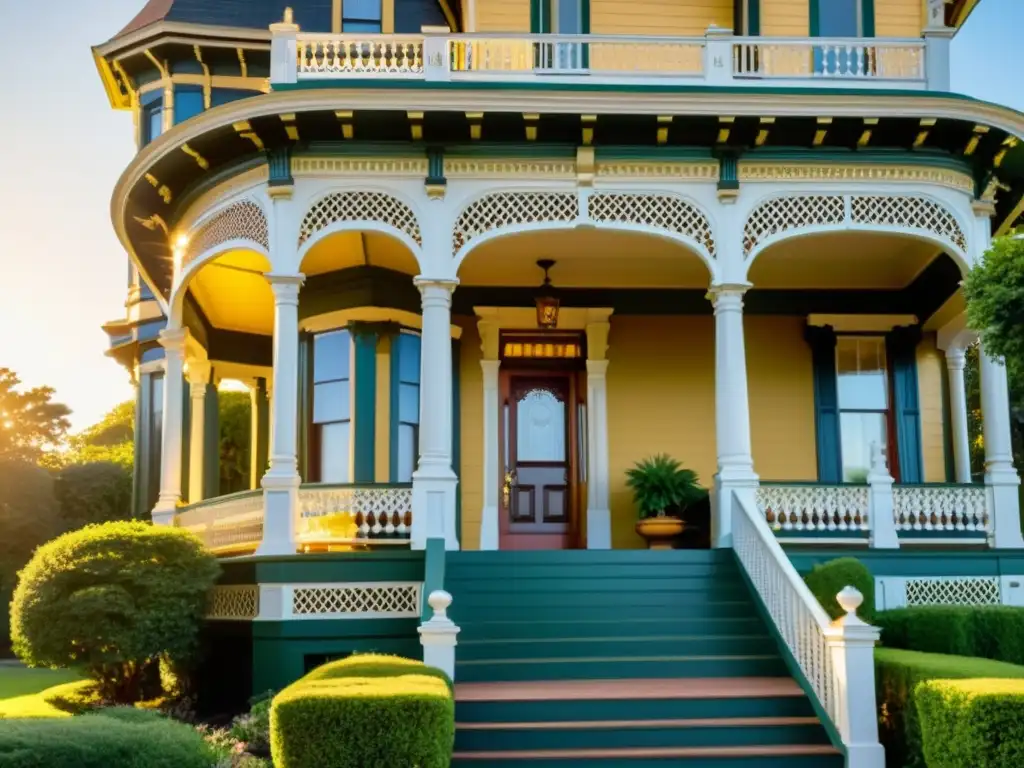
[[662, 490]]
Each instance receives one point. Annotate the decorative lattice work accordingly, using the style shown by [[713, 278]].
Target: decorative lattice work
[[659, 211], [340, 513], [814, 508], [234, 602], [360, 206], [357, 600], [979, 590], [786, 213], [244, 220], [507, 209], [905, 212]]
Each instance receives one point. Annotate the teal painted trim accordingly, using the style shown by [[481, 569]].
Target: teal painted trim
[[815, 28], [867, 18], [211, 443], [364, 411], [826, 403], [754, 18], [435, 166], [536, 16], [393, 415], [457, 433], [280, 167], [902, 344], [585, 29], [790, 660], [403, 565], [433, 574], [138, 445], [260, 440], [186, 435], [305, 402], [926, 535], [967, 560]]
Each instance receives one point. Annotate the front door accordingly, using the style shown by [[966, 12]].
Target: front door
[[539, 436]]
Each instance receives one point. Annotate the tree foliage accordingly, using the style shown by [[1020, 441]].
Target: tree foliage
[[235, 428], [994, 289], [110, 440], [30, 422], [98, 492], [113, 600]]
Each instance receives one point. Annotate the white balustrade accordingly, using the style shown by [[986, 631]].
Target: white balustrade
[[799, 58], [834, 657], [960, 508], [340, 513], [814, 508], [330, 56], [227, 524]]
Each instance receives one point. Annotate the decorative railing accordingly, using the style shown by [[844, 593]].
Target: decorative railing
[[717, 58], [941, 507], [814, 508], [339, 515], [227, 525]]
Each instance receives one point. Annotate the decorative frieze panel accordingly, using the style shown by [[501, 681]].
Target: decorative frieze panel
[[410, 167], [905, 212], [243, 220], [957, 508], [640, 169], [782, 214], [859, 172], [664, 212], [359, 206], [503, 168], [356, 601], [815, 508], [975, 590], [508, 209], [234, 603]]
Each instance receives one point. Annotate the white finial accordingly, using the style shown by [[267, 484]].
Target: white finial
[[439, 600], [850, 599], [878, 457]]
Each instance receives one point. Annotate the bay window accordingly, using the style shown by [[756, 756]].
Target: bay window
[[332, 407], [405, 389]]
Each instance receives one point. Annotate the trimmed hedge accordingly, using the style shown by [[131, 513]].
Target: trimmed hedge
[[362, 712], [988, 632], [898, 675], [827, 580], [122, 738], [976, 723]]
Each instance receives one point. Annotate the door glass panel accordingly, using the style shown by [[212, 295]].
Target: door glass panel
[[540, 427]]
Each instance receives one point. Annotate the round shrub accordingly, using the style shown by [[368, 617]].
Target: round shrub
[[828, 579], [98, 492], [359, 722], [375, 665], [113, 599]]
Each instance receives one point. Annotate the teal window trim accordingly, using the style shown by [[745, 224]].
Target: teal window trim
[[867, 18], [902, 348], [539, 17], [753, 18], [364, 413], [305, 409], [211, 443], [395, 417], [826, 403]]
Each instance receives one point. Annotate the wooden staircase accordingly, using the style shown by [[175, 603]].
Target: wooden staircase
[[621, 658]]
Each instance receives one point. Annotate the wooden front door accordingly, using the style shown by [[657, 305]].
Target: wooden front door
[[539, 442]]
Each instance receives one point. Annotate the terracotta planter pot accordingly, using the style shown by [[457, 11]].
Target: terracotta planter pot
[[660, 531]]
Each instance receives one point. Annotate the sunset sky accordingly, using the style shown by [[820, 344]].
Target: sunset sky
[[63, 148]]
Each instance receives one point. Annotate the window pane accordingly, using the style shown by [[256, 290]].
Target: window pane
[[540, 427], [406, 452], [566, 15], [409, 403], [331, 402], [335, 453], [409, 358], [331, 356], [837, 18], [363, 10], [154, 122], [858, 432], [860, 363], [371, 27], [187, 104]]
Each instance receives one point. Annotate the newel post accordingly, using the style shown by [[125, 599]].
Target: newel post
[[718, 56], [439, 635], [436, 58], [851, 644], [937, 40], [284, 50], [881, 508]]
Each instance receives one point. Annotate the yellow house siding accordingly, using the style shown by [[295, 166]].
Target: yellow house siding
[[785, 18], [503, 16], [382, 424], [899, 18], [930, 370], [658, 17], [781, 392], [471, 411]]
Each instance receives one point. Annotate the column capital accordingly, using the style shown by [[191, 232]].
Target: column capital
[[199, 373], [436, 289], [727, 295], [597, 368], [956, 358], [173, 340], [285, 286]]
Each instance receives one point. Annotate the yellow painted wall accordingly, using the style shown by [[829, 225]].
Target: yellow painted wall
[[899, 18], [382, 424], [930, 370], [785, 18], [781, 390], [471, 470], [502, 15], [658, 17]]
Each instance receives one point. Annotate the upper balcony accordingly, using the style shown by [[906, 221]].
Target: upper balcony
[[717, 59]]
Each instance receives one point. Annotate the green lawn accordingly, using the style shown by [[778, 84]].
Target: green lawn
[[21, 689]]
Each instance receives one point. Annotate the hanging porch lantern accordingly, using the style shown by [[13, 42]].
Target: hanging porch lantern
[[547, 299]]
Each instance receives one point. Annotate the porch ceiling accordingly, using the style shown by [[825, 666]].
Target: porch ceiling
[[358, 249], [233, 295], [842, 260], [584, 258]]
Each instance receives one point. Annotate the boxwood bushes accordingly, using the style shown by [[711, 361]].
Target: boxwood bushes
[[365, 711], [988, 632], [827, 580]]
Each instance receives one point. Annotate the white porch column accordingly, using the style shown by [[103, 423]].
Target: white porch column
[[173, 342], [434, 482], [198, 378], [732, 410], [1000, 475], [955, 361], [489, 330], [281, 482], [599, 516]]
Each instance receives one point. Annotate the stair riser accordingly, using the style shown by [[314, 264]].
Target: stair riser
[[591, 557], [556, 572], [533, 629], [598, 584], [464, 616], [782, 761], [618, 738], [606, 601], [636, 709], [619, 670], [587, 647]]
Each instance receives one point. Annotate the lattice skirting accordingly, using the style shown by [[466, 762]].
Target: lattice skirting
[[234, 603], [345, 600], [897, 592]]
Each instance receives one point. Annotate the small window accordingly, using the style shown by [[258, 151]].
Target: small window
[[188, 102], [332, 406], [152, 120], [361, 16], [407, 348], [566, 17], [863, 385], [838, 18]]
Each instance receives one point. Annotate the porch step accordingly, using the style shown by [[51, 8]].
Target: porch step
[[789, 756], [620, 667]]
